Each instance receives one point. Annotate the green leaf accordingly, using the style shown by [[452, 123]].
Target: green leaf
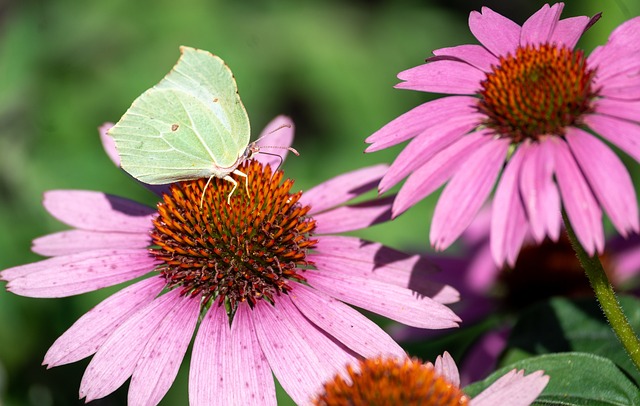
[[563, 325], [575, 379]]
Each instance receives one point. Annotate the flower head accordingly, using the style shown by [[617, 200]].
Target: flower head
[[263, 278], [403, 381], [528, 99]]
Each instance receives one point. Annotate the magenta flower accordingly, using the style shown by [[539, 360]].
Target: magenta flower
[[403, 381], [526, 99], [264, 277]]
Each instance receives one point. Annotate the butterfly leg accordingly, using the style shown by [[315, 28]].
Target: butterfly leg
[[235, 186], [246, 180]]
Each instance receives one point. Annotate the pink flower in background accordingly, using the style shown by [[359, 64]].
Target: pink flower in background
[[265, 277], [389, 381], [542, 271], [526, 99]]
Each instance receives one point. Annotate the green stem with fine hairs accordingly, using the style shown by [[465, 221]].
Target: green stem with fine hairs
[[606, 296]]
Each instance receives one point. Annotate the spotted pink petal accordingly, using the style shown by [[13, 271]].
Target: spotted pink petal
[[540, 26], [76, 241], [540, 195], [78, 273], [513, 389], [354, 217], [158, 364], [347, 325], [443, 76], [301, 356], [608, 178], [497, 33], [219, 373], [278, 133], [97, 211], [116, 359], [396, 303], [446, 367], [428, 144], [466, 192], [417, 120], [342, 188], [472, 54], [91, 330], [508, 220], [581, 206], [430, 176]]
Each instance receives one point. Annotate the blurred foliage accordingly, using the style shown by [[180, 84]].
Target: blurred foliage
[[68, 66]]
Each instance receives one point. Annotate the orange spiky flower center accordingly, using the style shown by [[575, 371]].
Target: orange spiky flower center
[[245, 250], [539, 91], [391, 382]]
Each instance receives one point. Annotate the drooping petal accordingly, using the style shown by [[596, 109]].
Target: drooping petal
[[358, 258], [345, 324], [513, 389], [116, 359], [444, 76], [91, 330], [210, 361], [622, 133], [496, 32], [399, 304], [76, 241], [446, 367], [98, 211], [278, 133], [508, 220], [472, 54], [430, 176], [569, 30], [426, 145], [218, 374], [78, 273], [301, 356], [354, 217], [539, 192], [108, 143], [466, 192], [581, 206], [418, 120], [158, 364], [539, 27], [625, 109], [608, 178], [342, 188]]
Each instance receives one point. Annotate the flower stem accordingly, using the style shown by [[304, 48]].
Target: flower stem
[[606, 296]]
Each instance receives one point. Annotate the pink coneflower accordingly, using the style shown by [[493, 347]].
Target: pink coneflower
[[389, 381], [264, 277], [525, 98], [541, 272]]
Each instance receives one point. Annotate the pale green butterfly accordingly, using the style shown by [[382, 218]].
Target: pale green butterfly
[[191, 125]]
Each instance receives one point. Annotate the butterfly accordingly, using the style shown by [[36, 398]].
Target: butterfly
[[191, 125]]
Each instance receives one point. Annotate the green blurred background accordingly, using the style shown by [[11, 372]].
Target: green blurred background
[[68, 66]]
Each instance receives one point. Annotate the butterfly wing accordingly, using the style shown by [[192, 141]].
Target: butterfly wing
[[190, 125]]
